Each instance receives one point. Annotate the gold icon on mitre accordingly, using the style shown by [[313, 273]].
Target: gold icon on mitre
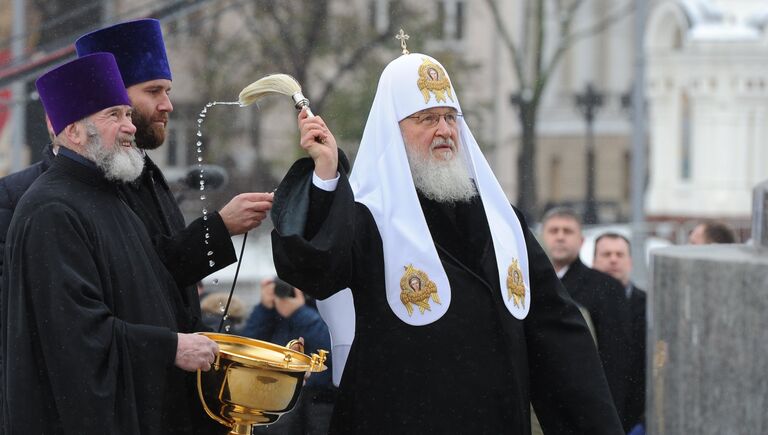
[[416, 289], [515, 284], [432, 78]]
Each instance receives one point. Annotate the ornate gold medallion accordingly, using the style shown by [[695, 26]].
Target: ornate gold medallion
[[416, 289], [432, 79], [515, 284]]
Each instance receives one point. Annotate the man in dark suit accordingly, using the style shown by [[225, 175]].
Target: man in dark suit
[[612, 256], [600, 294], [13, 186]]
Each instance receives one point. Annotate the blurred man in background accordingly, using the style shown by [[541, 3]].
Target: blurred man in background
[[602, 296], [712, 232], [282, 315], [613, 256]]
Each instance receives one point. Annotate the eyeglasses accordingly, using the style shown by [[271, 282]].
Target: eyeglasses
[[430, 119]]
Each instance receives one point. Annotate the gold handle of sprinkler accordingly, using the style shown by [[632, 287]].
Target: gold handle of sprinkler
[[300, 101]]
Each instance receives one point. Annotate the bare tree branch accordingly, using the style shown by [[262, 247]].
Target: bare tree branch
[[538, 42], [602, 25], [508, 41], [566, 21], [347, 65], [271, 51]]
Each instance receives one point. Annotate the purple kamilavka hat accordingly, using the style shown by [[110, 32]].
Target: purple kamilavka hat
[[80, 88], [138, 48]]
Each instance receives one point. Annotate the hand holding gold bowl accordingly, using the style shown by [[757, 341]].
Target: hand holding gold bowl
[[253, 382]]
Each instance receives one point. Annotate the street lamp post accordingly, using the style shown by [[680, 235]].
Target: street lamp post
[[588, 103]]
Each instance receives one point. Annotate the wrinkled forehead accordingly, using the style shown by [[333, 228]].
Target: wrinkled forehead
[[416, 82]]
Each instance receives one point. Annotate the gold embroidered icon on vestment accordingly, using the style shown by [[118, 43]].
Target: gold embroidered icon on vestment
[[515, 284], [416, 289]]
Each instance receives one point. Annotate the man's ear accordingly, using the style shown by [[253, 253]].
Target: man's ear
[[74, 134]]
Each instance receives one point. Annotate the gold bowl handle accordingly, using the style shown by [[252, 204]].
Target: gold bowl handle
[[294, 342]]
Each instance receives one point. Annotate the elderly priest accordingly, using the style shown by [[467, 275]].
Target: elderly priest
[[89, 334]]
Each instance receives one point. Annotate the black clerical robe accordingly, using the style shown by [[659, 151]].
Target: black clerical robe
[[88, 313], [476, 369], [184, 250], [189, 256]]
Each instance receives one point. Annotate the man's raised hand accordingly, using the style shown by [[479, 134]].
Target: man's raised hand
[[320, 144]]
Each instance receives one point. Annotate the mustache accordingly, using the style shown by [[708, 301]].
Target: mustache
[[440, 141], [143, 119], [126, 138]]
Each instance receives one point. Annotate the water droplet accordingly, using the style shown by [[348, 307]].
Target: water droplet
[[205, 218], [200, 120], [206, 242], [199, 143], [226, 317], [209, 105], [199, 159], [202, 188], [199, 150], [207, 235], [202, 114], [202, 182], [199, 133], [210, 253], [211, 263], [202, 197], [215, 281], [227, 328], [205, 211]]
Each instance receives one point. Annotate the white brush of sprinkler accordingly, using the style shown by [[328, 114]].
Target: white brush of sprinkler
[[275, 83]]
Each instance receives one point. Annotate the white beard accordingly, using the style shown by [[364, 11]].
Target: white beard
[[118, 162], [441, 180]]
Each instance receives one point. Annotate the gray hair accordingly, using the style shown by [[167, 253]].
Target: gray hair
[[561, 212]]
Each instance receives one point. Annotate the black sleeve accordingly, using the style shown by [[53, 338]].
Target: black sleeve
[[314, 231], [568, 388], [5, 221], [185, 254], [6, 213]]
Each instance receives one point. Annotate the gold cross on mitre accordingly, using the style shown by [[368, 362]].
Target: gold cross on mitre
[[403, 37]]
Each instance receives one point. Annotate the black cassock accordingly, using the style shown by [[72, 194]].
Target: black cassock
[[189, 256], [184, 250], [88, 313], [473, 371]]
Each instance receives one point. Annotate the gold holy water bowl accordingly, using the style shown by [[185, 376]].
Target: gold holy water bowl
[[253, 382]]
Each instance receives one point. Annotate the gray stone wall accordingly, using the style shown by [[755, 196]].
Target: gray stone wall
[[708, 341]]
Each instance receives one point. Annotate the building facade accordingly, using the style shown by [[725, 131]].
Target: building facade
[[708, 100]]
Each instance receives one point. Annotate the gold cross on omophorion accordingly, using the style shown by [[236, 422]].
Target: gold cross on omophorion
[[403, 37]]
